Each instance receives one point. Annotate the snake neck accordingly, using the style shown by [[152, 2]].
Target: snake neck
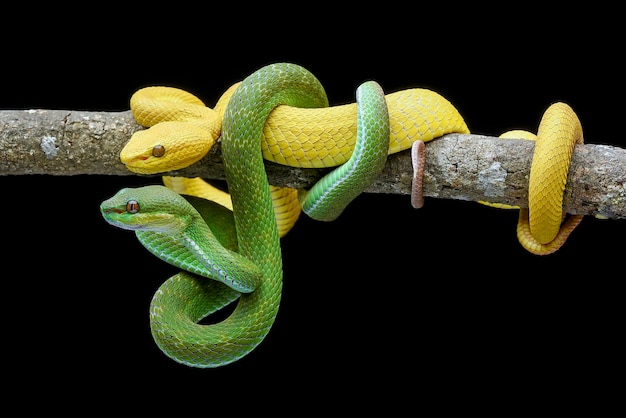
[[220, 263]]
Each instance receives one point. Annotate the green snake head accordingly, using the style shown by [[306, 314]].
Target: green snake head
[[170, 227], [149, 208]]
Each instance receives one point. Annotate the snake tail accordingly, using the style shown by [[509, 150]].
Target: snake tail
[[418, 160], [531, 244], [327, 199]]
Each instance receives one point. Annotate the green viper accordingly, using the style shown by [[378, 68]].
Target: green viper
[[236, 256]]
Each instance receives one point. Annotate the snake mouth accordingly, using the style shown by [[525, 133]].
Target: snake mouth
[[112, 210], [129, 160], [117, 218], [141, 165]]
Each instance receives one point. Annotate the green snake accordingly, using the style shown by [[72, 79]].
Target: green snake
[[172, 228]]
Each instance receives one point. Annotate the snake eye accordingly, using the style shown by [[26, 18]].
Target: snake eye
[[132, 206], [158, 151]]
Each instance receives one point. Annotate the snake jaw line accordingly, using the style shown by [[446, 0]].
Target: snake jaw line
[[163, 223]]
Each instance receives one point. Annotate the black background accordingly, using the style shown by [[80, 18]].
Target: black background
[[441, 296]]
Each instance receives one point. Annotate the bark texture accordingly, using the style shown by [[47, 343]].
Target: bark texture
[[465, 167]]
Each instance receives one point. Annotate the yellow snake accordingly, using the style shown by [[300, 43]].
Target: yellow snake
[[183, 129], [543, 227]]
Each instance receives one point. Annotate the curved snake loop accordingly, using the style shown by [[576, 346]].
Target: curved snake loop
[[195, 236], [543, 227], [281, 113], [299, 137]]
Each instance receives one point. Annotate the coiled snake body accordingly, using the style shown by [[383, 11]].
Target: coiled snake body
[[281, 113]]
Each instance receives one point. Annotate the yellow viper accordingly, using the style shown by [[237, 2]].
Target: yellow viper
[[182, 129]]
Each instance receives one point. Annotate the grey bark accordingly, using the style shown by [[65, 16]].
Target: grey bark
[[466, 167]]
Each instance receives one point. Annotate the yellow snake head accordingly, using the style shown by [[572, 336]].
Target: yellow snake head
[[166, 146], [181, 130]]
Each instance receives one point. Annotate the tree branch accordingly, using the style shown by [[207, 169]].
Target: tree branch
[[465, 167]]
